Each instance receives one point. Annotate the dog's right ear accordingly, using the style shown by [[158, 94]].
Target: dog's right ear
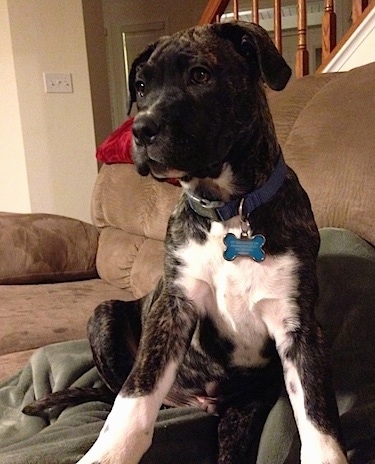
[[141, 58], [253, 42]]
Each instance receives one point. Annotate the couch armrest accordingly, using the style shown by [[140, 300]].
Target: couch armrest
[[128, 261], [41, 248]]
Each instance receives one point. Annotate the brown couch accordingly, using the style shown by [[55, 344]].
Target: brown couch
[[55, 270]]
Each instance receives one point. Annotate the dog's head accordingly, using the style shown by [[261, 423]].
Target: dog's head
[[197, 92]]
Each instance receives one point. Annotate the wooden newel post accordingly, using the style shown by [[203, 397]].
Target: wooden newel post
[[255, 12], [302, 56], [235, 9], [328, 30], [277, 24]]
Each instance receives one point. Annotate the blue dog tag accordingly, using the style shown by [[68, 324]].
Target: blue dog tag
[[244, 246]]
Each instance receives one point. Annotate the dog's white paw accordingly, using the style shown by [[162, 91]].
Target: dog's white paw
[[125, 436], [110, 448], [325, 450], [331, 459]]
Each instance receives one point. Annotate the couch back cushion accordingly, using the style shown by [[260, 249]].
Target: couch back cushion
[[138, 205], [325, 124], [132, 213], [46, 248]]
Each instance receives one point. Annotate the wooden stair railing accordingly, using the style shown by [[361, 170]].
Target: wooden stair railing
[[348, 34], [216, 8]]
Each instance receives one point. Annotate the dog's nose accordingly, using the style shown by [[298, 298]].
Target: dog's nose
[[145, 129]]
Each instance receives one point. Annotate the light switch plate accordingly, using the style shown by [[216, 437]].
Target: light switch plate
[[57, 83]]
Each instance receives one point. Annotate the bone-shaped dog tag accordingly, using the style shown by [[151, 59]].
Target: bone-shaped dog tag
[[244, 246]]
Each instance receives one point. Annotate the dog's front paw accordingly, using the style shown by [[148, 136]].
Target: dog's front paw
[[116, 448], [325, 451], [331, 459], [109, 449], [125, 436]]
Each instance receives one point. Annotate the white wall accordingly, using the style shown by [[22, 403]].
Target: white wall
[[57, 130], [14, 190]]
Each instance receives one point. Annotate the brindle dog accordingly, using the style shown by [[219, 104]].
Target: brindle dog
[[234, 310]]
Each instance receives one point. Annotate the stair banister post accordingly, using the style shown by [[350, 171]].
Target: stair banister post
[[328, 30], [214, 9], [277, 24], [235, 9], [302, 56], [358, 6], [255, 12]]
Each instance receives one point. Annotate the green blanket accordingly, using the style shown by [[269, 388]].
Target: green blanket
[[187, 435], [63, 436]]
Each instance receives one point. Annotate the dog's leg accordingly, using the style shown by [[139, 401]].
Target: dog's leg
[[128, 430], [247, 420], [247, 415], [114, 331], [301, 347]]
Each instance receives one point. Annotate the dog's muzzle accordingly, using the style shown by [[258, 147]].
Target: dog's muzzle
[[167, 152], [145, 129]]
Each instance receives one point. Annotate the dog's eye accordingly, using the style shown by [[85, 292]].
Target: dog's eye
[[140, 88], [199, 75]]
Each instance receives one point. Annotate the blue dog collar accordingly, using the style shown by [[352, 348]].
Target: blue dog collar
[[221, 211]]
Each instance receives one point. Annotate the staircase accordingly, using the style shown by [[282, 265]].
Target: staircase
[[292, 25]]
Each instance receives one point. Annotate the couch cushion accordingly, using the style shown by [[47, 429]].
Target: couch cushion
[[32, 316], [129, 261], [39, 248], [138, 205], [132, 213], [326, 127]]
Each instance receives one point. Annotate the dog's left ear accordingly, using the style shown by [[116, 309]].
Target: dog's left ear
[[253, 42], [141, 58]]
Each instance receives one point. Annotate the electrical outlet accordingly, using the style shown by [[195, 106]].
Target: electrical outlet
[[58, 83]]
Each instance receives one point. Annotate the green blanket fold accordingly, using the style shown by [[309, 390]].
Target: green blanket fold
[[187, 435], [62, 437]]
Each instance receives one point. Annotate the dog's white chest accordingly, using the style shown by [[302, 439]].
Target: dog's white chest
[[236, 293]]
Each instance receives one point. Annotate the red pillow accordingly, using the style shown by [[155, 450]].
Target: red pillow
[[117, 147]]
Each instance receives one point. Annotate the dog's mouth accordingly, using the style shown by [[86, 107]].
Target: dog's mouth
[[178, 157], [184, 176], [164, 173]]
